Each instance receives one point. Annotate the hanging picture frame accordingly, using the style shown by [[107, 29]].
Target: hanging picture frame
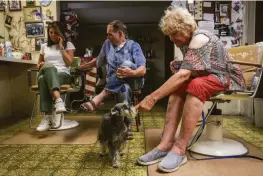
[[2, 5], [35, 30], [14, 5], [30, 2], [32, 14], [8, 21]]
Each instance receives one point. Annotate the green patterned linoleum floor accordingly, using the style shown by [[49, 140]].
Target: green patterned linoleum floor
[[83, 160]]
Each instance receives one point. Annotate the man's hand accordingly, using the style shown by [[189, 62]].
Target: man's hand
[[40, 65], [125, 72]]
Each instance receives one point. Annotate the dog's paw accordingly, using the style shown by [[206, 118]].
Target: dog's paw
[[102, 154], [116, 165]]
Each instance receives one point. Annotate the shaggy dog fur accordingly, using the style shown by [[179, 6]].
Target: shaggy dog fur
[[113, 131]]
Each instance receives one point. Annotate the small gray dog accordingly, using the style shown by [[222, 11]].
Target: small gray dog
[[113, 131]]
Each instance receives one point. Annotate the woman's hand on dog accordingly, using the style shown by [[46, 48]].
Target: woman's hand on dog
[[146, 104]]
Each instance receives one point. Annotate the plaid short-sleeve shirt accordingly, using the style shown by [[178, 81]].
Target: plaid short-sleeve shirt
[[212, 58]]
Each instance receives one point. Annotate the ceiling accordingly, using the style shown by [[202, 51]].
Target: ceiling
[[132, 12]]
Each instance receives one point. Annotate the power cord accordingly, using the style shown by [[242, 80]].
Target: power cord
[[198, 135], [226, 157]]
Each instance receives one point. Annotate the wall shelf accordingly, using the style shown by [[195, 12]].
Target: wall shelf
[[17, 60]]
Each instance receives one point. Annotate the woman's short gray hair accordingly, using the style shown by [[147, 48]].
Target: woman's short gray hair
[[177, 20]]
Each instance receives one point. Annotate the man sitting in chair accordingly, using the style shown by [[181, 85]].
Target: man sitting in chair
[[124, 61]]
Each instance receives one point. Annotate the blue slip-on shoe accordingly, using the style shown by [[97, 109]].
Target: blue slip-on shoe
[[171, 162], [152, 157]]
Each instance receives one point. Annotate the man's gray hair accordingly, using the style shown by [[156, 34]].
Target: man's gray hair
[[119, 26]]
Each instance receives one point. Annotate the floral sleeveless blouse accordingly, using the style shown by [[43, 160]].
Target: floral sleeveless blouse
[[213, 58]]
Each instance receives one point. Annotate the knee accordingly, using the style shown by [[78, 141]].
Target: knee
[[129, 64], [49, 68]]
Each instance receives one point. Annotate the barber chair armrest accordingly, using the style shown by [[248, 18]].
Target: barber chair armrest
[[246, 63], [76, 74], [29, 78]]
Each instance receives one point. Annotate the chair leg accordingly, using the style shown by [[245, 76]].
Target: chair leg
[[138, 122], [137, 117], [32, 114]]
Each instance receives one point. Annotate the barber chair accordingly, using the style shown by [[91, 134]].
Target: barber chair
[[64, 90], [212, 143]]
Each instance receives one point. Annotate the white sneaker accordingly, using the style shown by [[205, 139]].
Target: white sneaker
[[59, 106], [56, 120], [45, 123]]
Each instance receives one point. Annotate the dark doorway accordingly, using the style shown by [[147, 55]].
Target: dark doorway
[[258, 23]]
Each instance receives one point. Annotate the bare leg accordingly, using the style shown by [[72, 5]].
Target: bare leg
[[97, 100], [173, 117], [191, 113]]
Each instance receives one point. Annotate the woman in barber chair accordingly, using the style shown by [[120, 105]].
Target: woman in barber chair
[[205, 70], [55, 59]]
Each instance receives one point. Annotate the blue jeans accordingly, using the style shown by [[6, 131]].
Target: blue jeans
[[125, 93]]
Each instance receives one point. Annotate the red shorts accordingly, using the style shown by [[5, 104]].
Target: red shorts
[[202, 87]]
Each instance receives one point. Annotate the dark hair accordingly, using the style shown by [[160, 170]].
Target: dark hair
[[60, 31], [119, 26]]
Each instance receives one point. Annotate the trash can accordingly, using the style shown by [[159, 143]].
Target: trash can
[[258, 106]]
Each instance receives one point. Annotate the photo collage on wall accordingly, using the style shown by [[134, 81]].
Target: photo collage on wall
[[223, 18], [36, 19]]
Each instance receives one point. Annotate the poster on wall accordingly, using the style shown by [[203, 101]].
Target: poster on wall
[[224, 10], [206, 25], [179, 3], [32, 14]]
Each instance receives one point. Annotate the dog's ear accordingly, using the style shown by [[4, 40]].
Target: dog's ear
[[113, 111]]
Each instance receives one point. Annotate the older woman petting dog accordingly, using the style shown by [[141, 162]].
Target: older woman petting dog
[[205, 70]]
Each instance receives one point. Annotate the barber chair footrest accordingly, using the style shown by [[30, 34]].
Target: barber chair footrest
[[224, 147], [66, 124]]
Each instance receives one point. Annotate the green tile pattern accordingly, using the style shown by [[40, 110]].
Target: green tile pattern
[[83, 160]]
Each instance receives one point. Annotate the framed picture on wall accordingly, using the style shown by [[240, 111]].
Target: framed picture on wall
[[223, 10], [2, 5], [8, 21], [32, 14], [35, 30], [30, 2], [14, 5]]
